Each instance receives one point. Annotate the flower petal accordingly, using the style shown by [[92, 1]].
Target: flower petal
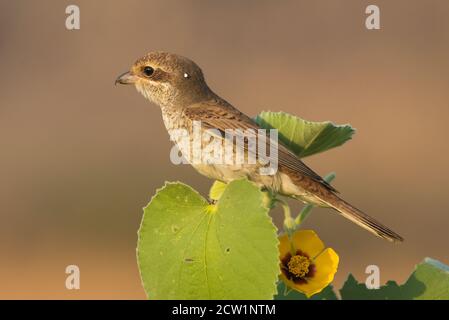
[[308, 242], [284, 246], [325, 261], [326, 266], [309, 289]]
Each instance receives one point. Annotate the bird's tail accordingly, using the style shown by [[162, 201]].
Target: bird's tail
[[362, 219]]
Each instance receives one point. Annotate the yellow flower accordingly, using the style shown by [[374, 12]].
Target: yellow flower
[[306, 265]]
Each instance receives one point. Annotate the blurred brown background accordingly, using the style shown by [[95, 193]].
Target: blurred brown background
[[80, 157]]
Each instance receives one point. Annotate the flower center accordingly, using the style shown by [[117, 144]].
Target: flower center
[[299, 266]]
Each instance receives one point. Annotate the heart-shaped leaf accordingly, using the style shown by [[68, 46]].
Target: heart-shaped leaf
[[190, 249]]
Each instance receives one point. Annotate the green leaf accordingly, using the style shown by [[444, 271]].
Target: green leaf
[[430, 280], [217, 190], [219, 187], [189, 249], [353, 290], [326, 294], [303, 137]]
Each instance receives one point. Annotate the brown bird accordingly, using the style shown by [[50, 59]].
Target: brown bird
[[177, 85]]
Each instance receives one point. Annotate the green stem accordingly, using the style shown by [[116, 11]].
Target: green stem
[[289, 223], [303, 214], [288, 220]]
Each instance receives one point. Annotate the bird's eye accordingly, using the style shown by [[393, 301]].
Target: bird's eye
[[148, 71]]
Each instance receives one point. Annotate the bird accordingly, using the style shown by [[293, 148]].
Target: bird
[[178, 86]]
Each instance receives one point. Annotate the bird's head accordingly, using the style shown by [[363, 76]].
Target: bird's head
[[167, 79]]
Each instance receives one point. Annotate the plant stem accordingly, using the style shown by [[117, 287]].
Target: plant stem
[[288, 220], [290, 224], [303, 214]]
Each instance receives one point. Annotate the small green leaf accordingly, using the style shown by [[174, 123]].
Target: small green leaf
[[219, 187], [190, 249], [303, 137], [217, 190], [326, 294], [430, 280]]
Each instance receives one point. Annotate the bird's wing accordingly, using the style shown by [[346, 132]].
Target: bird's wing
[[220, 115]]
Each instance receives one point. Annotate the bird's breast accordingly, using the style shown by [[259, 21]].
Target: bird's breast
[[174, 120]]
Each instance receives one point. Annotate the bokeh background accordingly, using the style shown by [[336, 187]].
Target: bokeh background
[[79, 157]]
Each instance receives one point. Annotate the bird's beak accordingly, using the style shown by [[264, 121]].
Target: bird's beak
[[126, 78]]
